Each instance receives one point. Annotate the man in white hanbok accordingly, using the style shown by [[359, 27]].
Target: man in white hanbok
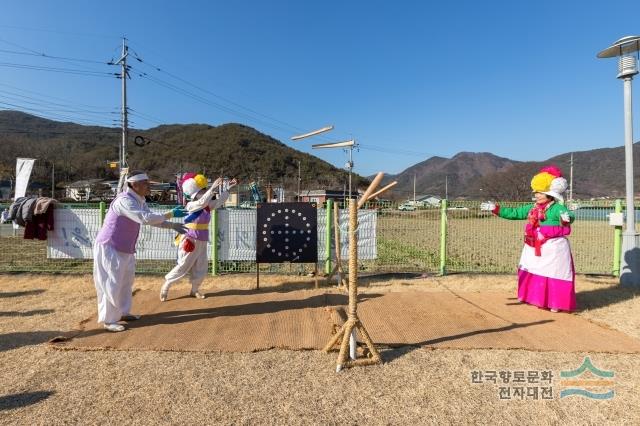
[[114, 249]]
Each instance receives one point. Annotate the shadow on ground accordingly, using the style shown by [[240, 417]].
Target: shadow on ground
[[10, 341], [17, 400], [7, 294]]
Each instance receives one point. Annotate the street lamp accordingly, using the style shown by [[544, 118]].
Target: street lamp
[[626, 49], [350, 144]]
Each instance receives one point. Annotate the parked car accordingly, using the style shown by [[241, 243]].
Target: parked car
[[406, 207]]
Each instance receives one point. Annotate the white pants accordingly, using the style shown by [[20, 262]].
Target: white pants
[[194, 263], [113, 274]]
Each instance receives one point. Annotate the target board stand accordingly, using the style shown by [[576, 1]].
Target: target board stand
[[286, 233]]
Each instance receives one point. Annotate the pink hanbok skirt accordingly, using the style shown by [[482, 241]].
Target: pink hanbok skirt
[[548, 281]]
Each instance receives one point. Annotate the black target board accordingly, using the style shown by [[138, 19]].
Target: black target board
[[287, 232]]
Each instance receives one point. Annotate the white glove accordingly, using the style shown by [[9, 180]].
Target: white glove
[[487, 206], [572, 205], [565, 217]]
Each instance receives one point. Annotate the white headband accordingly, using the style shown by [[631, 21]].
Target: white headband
[[138, 178]]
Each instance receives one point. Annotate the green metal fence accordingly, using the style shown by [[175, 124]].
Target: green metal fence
[[453, 237]]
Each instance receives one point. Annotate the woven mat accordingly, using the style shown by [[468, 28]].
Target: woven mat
[[249, 320]]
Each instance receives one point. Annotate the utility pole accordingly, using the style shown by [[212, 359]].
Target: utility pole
[[446, 187], [125, 121], [571, 178], [299, 179], [53, 180], [414, 189]]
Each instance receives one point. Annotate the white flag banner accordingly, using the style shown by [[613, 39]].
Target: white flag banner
[[23, 172]]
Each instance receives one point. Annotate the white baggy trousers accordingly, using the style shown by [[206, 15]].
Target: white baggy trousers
[[194, 264], [113, 274]]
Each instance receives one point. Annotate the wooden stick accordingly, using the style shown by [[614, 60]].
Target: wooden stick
[[380, 191], [374, 184], [257, 276]]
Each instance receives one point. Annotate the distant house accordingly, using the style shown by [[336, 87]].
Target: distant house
[[320, 196], [85, 190], [430, 200]]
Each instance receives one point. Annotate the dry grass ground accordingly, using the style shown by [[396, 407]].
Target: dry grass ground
[[41, 385]]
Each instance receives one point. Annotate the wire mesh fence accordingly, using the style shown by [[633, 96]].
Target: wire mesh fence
[[460, 238]]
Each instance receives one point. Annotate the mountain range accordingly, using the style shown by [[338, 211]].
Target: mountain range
[[83, 152], [596, 173]]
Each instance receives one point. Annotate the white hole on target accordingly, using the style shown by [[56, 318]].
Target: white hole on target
[[308, 225], [286, 247], [279, 232], [286, 210], [293, 210], [286, 240], [279, 211], [265, 239], [273, 214], [286, 218], [286, 224]]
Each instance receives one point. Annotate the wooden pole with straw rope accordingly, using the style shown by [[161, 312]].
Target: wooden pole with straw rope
[[353, 322]]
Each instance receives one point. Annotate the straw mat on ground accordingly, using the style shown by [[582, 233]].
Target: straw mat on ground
[[249, 320]]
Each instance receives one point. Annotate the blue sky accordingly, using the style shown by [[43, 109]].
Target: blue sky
[[408, 80]]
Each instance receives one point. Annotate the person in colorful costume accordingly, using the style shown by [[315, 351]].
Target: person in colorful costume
[[546, 274], [192, 253], [114, 260]]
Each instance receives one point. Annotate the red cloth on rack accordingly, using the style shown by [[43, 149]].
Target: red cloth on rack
[[39, 226]]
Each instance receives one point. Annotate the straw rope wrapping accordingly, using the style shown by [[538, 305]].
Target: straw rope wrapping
[[353, 321]]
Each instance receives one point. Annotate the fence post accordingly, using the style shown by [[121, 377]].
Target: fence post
[[617, 243], [327, 235], [102, 212], [443, 237], [213, 236]]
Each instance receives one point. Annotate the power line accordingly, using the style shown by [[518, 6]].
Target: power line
[[35, 101], [145, 116], [46, 114], [205, 101], [157, 68], [42, 95], [58, 70], [395, 151], [44, 55]]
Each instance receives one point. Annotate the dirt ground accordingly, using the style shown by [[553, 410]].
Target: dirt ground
[[42, 385]]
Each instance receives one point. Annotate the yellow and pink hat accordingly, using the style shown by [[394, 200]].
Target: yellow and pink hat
[[550, 181], [192, 183]]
